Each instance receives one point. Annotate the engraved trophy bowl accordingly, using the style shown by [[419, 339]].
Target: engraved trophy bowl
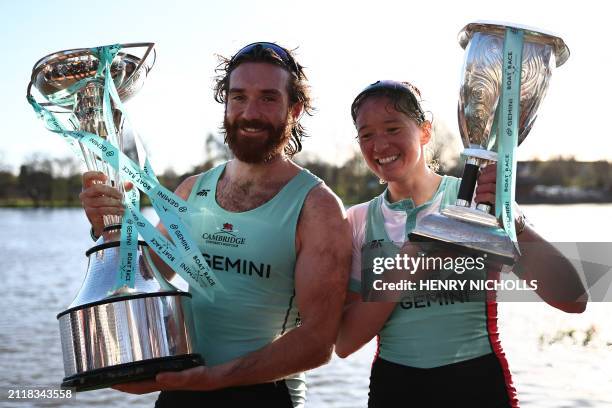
[[112, 335], [466, 226]]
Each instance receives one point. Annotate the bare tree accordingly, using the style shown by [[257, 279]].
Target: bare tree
[[66, 167]]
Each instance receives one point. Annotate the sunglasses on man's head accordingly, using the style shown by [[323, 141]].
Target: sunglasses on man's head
[[282, 53]]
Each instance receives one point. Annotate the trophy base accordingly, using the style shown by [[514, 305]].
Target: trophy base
[[126, 338], [470, 215], [123, 373], [466, 237]]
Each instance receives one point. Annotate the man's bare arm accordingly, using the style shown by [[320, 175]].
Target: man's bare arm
[[321, 277]]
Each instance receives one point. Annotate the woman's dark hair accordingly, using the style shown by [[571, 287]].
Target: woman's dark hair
[[404, 97], [297, 87]]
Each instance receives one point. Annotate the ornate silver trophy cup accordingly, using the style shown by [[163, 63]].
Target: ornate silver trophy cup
[[112, 334], [466, 226]]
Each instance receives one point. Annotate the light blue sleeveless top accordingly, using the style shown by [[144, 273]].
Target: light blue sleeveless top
[[253, 255], [433, 330]]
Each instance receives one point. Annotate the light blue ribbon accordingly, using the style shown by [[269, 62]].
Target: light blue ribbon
[[128, 243], [508, 130], [128, 246], [53, 124]]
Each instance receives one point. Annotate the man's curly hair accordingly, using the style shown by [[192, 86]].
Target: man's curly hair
[[297, 87]]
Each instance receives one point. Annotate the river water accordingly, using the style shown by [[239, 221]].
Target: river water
[[42, 263]]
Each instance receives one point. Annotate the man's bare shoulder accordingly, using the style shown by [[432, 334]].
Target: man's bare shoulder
[[322, 199], [323, 215]]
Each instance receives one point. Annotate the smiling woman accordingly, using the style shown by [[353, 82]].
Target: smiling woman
[[392, 131], [434, 344], [391, 142]]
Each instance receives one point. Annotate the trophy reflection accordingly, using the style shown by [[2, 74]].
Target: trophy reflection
[[465, 226], [111, 335]]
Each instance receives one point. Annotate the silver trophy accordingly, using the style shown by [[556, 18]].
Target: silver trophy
[[111, 335], [466, 226]]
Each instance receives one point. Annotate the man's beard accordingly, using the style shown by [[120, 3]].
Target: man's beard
[[255, 150]]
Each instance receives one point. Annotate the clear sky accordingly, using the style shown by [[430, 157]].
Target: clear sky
[[344, 45]]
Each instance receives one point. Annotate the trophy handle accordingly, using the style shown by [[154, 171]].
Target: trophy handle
[[29, 95], [150, 47]]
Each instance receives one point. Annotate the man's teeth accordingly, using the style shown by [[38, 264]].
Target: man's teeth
[[386, 160], [249, 129]]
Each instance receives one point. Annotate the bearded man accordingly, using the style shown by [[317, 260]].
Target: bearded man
[[285, 273]]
